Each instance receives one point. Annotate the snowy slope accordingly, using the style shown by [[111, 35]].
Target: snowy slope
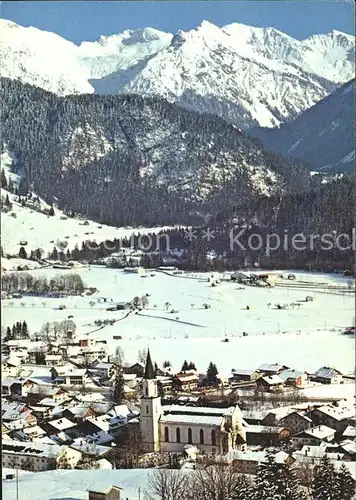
[[248, 75], [322, 136], [42, 231]]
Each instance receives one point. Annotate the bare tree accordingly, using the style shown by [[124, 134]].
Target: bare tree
[[142, 355], [118, 359], [167, 484], [216, 482], [46, 330]]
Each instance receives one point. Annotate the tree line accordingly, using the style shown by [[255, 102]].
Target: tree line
[[273, 481], [26, 282]]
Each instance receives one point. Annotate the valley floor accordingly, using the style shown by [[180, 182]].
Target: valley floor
[[303, 337]]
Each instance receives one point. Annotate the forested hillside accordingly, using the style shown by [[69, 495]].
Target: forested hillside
[[130, 159]]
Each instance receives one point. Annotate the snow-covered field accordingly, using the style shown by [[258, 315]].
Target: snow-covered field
[[73, 484], [305, 337]]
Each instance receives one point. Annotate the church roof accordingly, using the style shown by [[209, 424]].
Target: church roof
[[149, 371]]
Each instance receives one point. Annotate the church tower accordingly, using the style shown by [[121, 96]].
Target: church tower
[[151, 409]]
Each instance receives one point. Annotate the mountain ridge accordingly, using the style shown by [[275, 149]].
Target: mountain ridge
[[95, 153], [322, 136], [247, 75]]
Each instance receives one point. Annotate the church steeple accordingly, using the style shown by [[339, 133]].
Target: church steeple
[[151, 409], [149, 371]]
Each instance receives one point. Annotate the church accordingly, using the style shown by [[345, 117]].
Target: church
[[170, 428]]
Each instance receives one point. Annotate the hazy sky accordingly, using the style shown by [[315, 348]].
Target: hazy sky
[[78, 21]]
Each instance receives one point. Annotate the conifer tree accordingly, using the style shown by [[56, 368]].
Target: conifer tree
[[118, 394], [184, 366], [288, 484], [324, 486], [266, 486], [243, 489], [22, 253], [345, 484], [24, 330], [3, 179], [9, 335], [211, 374]]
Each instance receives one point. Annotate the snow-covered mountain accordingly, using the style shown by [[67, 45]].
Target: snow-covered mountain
[[323, 136], [250, 76]]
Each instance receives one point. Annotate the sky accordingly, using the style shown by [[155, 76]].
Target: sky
[[78, 21]]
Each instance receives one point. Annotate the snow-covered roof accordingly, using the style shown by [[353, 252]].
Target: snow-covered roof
[[254, 456], [290, 374], [320, 432], [311, 451], [350, 431], [62, 424], [337, 412], [198, 410], [191, 419], [36, 429], [37, 449], [349, 446], [8, 381], [88, 448], [290, 412], [263, 429], [327, 372], [272, 380], [242, 372], [270, 367]]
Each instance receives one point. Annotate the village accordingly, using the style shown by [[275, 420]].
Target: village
[[93, 411]]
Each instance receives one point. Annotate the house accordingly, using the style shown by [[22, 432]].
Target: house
[[78, 413], [90, 431], [269, 383], [349, 432], [272, 369], [294, 378], [247, 462], [336, 416], [244, 375], [73, 376], [103, 369], [241, 277], [164, 384], [53, 359], [327, 375], [104, 493], [297, 421], [137, 368], [68, 458], [30, 456], [266, 435], [11, 366], [104, 464], [313, 436], [58, 425], [6, 384], [17, 416], [185, 381]]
